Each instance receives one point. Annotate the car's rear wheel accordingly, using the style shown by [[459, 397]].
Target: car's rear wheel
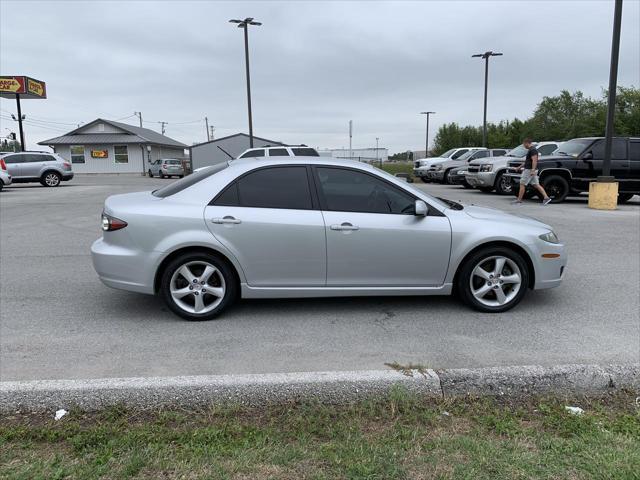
[[624, 197], [556, 187], [466, 184], [161, 175], [493, 279], [150, 173], [1, 185], [198, 286], [503, 185], [51, 179]]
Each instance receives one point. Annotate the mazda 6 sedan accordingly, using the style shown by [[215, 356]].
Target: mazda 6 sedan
[[316, 227]]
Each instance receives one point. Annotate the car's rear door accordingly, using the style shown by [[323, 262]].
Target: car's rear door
[[14, 164], [268, 219], [373, 237]]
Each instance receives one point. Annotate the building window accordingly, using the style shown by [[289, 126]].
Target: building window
[[121, 154], [77, 154]]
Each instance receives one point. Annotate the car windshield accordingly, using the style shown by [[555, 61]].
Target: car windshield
[[573, 148], [465, 156], [189, 180], [519, 151], [447, 154]]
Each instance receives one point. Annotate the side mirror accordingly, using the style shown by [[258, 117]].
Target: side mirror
[[421, 209], [587, 156]]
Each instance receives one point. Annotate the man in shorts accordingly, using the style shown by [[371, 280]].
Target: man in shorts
[[530, 174]]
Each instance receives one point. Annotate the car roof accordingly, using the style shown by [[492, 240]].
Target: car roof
[[298, 160]]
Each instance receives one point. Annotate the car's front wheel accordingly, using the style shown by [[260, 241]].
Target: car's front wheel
[[493, 279], [503, 185], [198, 286], [51, 179]]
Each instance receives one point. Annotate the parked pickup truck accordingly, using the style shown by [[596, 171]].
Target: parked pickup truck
[[578, 162], [487, 174]]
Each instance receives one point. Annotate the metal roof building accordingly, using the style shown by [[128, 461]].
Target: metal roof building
[[212, 152], [105, 146]]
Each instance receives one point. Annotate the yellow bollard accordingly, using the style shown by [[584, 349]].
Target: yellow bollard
[[603, 195]]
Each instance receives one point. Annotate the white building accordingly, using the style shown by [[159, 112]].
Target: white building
[[104, 146], [358, 154]]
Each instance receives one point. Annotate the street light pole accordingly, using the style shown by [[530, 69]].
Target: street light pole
[[426, 142], [486, 56], [245, 25], [378, 159], [613, 85]]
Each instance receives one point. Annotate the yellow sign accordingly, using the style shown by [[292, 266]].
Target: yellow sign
[[12, 84], [99, 153], [35, 87]]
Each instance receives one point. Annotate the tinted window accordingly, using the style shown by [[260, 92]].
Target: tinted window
[[278, 152], [173, 162], [547, 149], [278, 187], [253, 153], [634, 151], [618, 149], [229, 197], [305, 152], [189, 180], [499, 153], [14, 158], [352, 191], [458, 153], [481, 154]]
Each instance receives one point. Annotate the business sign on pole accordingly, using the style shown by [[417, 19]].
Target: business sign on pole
[[26, 87]]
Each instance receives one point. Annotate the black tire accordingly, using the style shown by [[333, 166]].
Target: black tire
[[180, 176], [150, 174], [556, 187], [1, 185], [466, 184], [160, 174], [463, 284], [486, 189], [624, 197], [51, 179], [503, 185], [223, 278], [445, 179], [425, 180]]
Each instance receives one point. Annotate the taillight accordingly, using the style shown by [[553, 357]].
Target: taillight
[[109, 223], [164, 165], [3, 165], [66, 165]]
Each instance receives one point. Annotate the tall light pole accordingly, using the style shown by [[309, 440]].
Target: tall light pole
[[486, 56], [245, 25], [426, 142], [378, 159], [613, 85]]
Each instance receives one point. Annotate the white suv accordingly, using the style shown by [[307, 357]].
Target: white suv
[[280, 151], [421, 167]]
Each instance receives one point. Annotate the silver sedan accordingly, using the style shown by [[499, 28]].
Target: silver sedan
[[316, 227]]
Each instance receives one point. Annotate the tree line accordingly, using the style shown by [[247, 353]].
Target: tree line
[[568, 115]]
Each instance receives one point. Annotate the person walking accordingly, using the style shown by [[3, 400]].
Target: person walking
[[530, 174]]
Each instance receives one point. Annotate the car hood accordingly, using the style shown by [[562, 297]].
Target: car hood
[[431, 161], [487, 213], [494, 160]]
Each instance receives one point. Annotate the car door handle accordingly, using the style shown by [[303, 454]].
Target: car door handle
[[227, 219], [344, 226]]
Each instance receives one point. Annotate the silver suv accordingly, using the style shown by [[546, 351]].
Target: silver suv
[[47, 168], [166, 167]]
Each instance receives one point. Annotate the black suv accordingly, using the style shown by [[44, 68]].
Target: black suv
[[577, 162]]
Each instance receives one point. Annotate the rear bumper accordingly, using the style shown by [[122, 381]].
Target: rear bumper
[[6, 179], [123, 268], [171, 172], [435, 175], [67, 176]]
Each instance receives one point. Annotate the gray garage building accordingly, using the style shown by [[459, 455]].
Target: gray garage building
[[212, 152], [105, 146]]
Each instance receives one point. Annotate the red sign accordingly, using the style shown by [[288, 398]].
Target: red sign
[[12, 85], [26, 87]]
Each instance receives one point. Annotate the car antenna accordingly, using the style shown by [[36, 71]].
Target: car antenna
[[228, 154]]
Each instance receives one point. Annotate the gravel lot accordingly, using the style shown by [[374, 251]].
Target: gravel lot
[[57, 321]]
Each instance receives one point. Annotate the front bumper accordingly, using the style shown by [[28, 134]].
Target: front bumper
[[481, 179], [420, 172], [124, 268], [435, 175], [457, 178], [550, 269]]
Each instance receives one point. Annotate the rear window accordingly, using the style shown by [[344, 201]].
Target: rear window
[[253, 153], [189, 180], [278, 152], [304, 152], [173, 162]]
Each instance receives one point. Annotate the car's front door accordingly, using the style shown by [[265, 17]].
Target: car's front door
[[267, 219], [33, 164], [373, 237], [14, 164]]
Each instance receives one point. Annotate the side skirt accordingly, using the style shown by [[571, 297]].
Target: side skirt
[[316, 292]]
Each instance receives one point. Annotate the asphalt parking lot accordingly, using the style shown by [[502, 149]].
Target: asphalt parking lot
[[57, 321]]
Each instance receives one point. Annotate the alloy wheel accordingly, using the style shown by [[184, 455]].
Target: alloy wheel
[[197, 287], [52, 179], [495, 281]]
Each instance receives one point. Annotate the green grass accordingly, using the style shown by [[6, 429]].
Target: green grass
[[397, 167], [401, 436]]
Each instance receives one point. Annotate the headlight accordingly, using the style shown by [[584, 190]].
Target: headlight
[[549, 237], [486, 168]]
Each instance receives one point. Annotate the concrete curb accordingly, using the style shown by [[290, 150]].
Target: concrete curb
[[326, 387]]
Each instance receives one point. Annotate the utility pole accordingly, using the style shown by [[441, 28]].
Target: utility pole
[[245, 25], [486, 56], [139, 115], [613, 86], [20, 118], [378, 159], [163, 124], [350, 139], [426, 143], [212, 128], [206, 124]]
